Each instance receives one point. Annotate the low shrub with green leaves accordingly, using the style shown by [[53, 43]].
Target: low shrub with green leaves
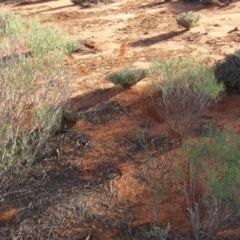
[[88, 1], [208, 2], [227, 71], [188, 19], [127, 77], [35, 85], [68, 118], [186, 89], [210, 176], [10, 23], [43, 40]]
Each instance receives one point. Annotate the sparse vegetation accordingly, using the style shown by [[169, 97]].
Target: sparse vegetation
[[43, 40], [69, 117], [89, 2], [127, 77], [188, 88], [227, 71], [97, 166], [188, 19], [35, 86], [208, 1], [210, 176], [10, 23]]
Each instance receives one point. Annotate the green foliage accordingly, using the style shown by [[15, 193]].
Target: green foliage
[[211, 176], [34, 88], [43, 40], [10, 23], [188, 88], [127, 77], [84, 1], [77, 1], [188, 19], [228, 70], [208, 1], [68, 118], [142, 233]]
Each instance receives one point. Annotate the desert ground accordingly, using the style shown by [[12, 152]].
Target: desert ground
[[93, 181]]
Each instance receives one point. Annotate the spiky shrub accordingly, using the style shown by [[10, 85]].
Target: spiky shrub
[[34, 89], [127, 77], [210, 177], [227, 71], [10, 23], [188, 19], [187, 89]]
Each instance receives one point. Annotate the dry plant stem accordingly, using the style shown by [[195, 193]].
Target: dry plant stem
[[154, 180], [181, 91], [210, 181], [180, 115], [122, 53], [32, 94]]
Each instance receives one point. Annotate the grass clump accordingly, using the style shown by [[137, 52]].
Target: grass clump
[[187, 89], [127, 77], [188, 19], [227, 71], [210, 176]]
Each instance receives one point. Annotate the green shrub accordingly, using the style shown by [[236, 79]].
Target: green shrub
[[84, 1], [43, 40], [188, 19], [187, 89], [10, 23], [68, 118], [34, 88], [127, 77], [228, 70], [208, 1], [211, 179]]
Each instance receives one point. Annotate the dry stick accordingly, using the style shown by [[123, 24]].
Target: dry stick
[[151, 111], [121, 53], [70, 56], [83, 70]]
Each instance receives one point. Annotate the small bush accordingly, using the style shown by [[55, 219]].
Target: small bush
[[188, 19], [188, 88], [88, 1], [34, 88], [68, 118], [211, 178], [228, 70], [208, 1], [127, 77], [43, 40], [10, 23]]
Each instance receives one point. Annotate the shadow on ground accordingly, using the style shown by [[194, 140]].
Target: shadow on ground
[[156, 39]]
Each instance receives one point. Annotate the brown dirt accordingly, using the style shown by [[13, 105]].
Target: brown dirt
[[91, 182]]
